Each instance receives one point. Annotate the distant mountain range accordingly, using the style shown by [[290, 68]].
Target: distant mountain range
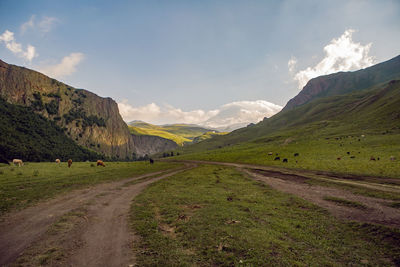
[[367, 100], [179, 133]]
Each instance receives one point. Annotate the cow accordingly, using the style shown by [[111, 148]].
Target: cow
[[69, 163], [348, 153], [18, 162], [58, 161], [270, 153], [296, 154], [285, 160], [151, 161], [353, 157], [372, 158], [277, 158], [100, 163], [338, 158], [392, 158]]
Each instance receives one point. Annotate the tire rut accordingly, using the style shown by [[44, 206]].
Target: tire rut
[[21, 229]]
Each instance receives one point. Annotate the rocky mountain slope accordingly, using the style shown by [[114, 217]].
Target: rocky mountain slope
[[31, 137], [345, 82], [91, 121]]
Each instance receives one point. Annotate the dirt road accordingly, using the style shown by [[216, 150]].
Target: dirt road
[[376, 211], [99, 236]]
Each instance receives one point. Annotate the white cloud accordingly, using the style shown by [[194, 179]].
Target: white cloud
[[292, 64], [16, 48], [47, 23], [341, 54], [235, 113], [28, 25], [242, 112], [44, 25], [66, 67]]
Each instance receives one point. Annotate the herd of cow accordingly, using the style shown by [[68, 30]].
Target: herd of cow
[[20, 163]]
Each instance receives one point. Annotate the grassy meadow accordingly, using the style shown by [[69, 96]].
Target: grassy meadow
[[315, 153], [22, 186], [214, 215]]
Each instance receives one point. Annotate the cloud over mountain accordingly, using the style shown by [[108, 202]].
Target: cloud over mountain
[[16, 48], [235, 113], [341, 54], [66, 67]]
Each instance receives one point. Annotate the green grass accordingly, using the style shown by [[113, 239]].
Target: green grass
[[23, 186], [161, 133], [320, 132], [216, 216], [179, 133], [345, 202], [208, 135], [314, 154]]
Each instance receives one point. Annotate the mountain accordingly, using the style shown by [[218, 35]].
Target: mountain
[[31, 137], [90, 120], [179, 133], [346, 82], [372, 109]]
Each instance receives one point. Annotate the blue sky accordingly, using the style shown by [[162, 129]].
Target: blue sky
[[196, 61]]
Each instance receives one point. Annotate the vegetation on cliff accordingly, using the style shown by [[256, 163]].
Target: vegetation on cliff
[[31, 137]]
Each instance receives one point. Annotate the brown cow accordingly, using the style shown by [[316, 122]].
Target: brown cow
[[18, 162], [69, 163], [58, 161], [100, 163]]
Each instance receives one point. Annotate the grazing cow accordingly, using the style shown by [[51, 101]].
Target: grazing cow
[[372, 158], [100, 163], [377, 158], [353, 157], [58, 161], [18, 162], [296, 154], [392, 158], [338, 158], [285, 160], [270, 153], [69, 163], [151, 161], [277, 158]]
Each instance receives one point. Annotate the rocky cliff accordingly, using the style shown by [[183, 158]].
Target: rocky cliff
[[148, 144], [345, 82], [88, 119]]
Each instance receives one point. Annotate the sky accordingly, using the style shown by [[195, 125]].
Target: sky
[[214, 63]]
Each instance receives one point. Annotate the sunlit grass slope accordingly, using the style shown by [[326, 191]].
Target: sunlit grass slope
[[215, 216], [321, 132], [179, 133]]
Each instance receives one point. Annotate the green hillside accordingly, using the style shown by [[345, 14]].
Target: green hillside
[[179, 133], [346, 82], [31, 137], [365, 124], [207, 135]]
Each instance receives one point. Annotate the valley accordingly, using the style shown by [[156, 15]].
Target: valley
[[86, 180]]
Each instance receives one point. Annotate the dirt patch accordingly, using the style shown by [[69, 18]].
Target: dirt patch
[[283, 176], [376, 211], [101, 238]]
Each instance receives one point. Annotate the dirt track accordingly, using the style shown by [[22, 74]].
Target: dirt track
[[101, 236], [377, 211], [88, 227]]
